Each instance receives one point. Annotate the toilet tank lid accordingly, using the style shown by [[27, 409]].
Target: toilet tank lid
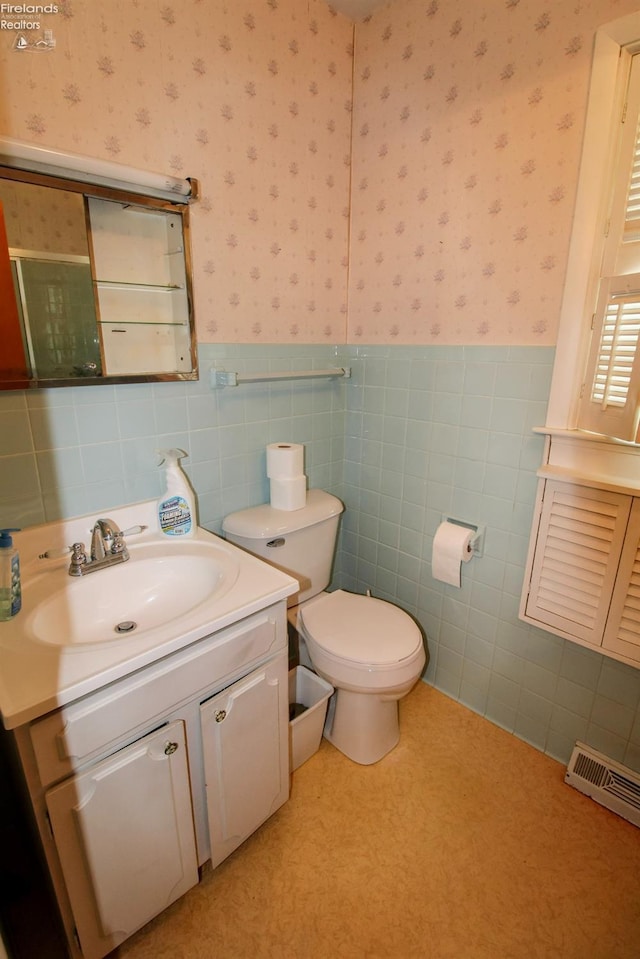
[[265, 522]]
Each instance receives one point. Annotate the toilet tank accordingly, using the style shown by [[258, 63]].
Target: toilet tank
[[300, 542]]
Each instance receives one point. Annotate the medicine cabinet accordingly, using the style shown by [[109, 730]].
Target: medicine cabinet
[[95, 283]]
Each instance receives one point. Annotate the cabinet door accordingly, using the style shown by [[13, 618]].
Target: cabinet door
[[124, 834], [245, 732], [577, 551], [622, 634]]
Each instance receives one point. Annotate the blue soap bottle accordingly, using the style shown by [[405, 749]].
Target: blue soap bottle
[[10, 589]]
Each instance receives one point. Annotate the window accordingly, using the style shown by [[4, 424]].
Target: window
[[581, 576], [610, 394], [594, 225]]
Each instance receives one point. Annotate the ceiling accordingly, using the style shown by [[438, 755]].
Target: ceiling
[[356, 9]]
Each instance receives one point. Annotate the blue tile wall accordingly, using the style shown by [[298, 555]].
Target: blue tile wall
[[415, 434], [447, 431], [67, 452]]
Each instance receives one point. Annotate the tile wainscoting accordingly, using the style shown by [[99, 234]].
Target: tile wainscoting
[[415, 434]]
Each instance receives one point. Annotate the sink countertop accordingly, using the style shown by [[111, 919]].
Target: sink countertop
[[36, 677]]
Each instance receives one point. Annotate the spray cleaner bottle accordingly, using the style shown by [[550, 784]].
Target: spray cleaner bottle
[[176, 508]]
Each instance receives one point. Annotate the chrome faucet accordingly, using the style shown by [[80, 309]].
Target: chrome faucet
[[107, 548]]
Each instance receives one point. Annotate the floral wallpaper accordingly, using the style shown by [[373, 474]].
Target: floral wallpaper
[[409, 178], [468, 122], [252, 98]]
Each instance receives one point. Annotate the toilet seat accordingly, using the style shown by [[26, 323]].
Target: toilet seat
[[360, 629]]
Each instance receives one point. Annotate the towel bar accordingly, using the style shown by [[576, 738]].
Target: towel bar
[[221, 377]]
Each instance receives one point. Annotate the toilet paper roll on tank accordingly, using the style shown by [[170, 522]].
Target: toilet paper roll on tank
[[287, 481], [452, 547]]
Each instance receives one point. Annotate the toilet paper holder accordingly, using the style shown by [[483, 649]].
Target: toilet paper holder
[[476, 544]]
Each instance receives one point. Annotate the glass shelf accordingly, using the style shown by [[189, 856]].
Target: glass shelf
[[140, 287], [116, 323]]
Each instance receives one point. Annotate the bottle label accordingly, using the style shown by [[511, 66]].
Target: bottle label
[[175, 516], [16, 590]]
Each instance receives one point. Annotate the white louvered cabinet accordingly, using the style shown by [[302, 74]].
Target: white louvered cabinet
[[622, 632], [583, 576]]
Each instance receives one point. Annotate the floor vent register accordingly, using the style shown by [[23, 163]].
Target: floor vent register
[[605, 781]]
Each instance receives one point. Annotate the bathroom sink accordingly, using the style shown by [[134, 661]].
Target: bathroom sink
[[159, 584], [77, 634]]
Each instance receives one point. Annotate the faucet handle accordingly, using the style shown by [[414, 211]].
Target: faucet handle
[[78, 559], [133, 530], [56, 553], [118, 545]]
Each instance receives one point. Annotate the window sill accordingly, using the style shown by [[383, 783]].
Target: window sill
[[591, 460]]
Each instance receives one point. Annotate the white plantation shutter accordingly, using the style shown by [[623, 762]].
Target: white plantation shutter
[[618, 347], [632, 204], [610, 402], [579, 541]]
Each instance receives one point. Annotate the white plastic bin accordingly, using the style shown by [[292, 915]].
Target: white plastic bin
[[305, 730]]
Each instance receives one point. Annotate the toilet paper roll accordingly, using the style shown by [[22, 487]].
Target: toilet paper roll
[[285, 460], [451, 548], [289, 494]]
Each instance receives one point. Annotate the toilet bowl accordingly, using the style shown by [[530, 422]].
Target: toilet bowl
[[372, 653]]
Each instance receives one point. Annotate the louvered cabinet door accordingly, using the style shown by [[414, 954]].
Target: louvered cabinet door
[[580, 540], [622, 634]]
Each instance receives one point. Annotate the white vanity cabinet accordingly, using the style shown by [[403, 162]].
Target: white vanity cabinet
[[125, 837], [583, 574], [138, 784]]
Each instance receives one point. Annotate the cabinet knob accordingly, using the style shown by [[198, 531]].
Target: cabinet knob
[[170, 748], [220, 715]]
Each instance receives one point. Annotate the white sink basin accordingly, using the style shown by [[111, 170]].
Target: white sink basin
[[63, 644], [158, 585]]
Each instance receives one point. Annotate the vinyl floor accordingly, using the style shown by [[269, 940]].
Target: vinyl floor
[[463, 843]]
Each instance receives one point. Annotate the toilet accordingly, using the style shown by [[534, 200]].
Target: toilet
[[370, 651]]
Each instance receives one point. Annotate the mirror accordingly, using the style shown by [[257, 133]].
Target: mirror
[[95, 285]]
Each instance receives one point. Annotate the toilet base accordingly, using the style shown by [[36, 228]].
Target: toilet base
[[363, 726]]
